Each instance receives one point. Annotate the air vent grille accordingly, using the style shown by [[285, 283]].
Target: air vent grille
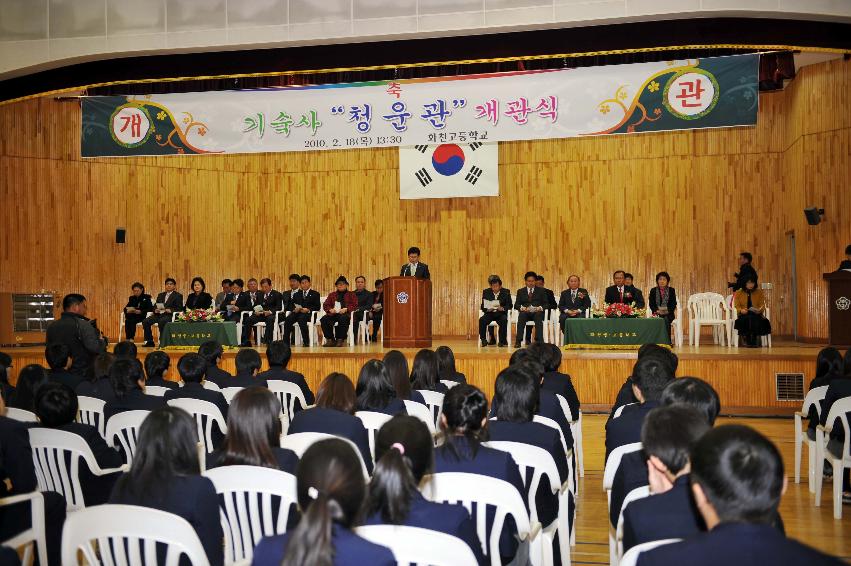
[[790, 386]]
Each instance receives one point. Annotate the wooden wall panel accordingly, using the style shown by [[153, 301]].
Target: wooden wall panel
[[685, 202]]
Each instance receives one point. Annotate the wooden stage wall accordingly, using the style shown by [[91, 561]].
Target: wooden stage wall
[[685, 202]]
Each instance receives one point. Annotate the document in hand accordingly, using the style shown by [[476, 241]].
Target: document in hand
[[160, 306], [258, 308], [337, 306], [491, 305]]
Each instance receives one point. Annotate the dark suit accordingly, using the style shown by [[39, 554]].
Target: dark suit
[[338, 423], [844, 264], [218, 376], [143, 303], [560, 384], [239, 300], [82, 338], [631, 473], [364, 307], [159, 382], [133, 400], [567, 301], [99, 389], [96, 489], [745, 274], [630, 295], [174, 303], [457, 377], [245, 380], [550, 302], [349, 550], [626, 429], [282, 374], [286, 459], [308, 300], [499, 317], [538, 299], [672, 514], [202, 300], [272, 302], [638, 297], [742, 544], [421, 271], [656, 300], [66, 378]]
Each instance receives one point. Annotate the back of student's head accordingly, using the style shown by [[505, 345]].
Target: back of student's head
[[253, 429], [647, 350], [669, 433], [740, 472], [330, 488], [278, 353], [125, 349], [125, 375], [100, 367], [404, 452], [445, 361], [156, 364], [211, 351], [516, 395], [396, 365], [847, 362], [248, 361], [650, 375], [531, 358], [30, 381], [424, 374], [694, 392], [56, 405], [374, 389], [337, 392], [57, 355], [166, 448], [829, 362], [192, 368], [552, 357], [464, 413]]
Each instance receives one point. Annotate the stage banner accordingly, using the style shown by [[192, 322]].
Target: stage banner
[[536, 104], [449, 170], [614, 333]]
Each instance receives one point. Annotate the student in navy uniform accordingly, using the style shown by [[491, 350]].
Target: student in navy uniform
[[98, 385], [499, 315], [58, 358], [156, 365], [396, 365], [212, 352], [236, 302], [530, 301], [254, 432], [128, 381], [625, 395], [138, 306], [56, 408], [77, 332], [272, 302], [839, 388], [165, 475], [248, 364], [125, 350], [737, 479], [414, 268], [574, 301], [334, 413], [192, 368], [424, 374], [446, 365], [171, 302], [829, 366], [668, 434], [30, 381], [331, 490], [555, 381], [338, 306], [302, 304], [278, 354], [464, 422], [404, 452], [375, 391]]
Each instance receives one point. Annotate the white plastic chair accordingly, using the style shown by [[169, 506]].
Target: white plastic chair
[[541, 463], [613, 463], [812, 400], [56, 457], [630, 558], [372, 421], [616, 538], [363, 330], [287, 393], [35, 535], [245, 501], [301, 441], [230, 392], [708, 309], [434, 400], [417, 409], [211, 386], [21, 415], [128, 535], [206, 414], [619, 410], [449, 383], [838, 411], [484, 491], [125, 427], [576, 431], [676, 326], [413, 545], [90, 412], [156, 390]]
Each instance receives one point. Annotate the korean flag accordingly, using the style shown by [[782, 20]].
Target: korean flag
[[449, 170]]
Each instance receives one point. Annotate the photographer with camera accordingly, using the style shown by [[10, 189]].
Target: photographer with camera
[[79, 333]]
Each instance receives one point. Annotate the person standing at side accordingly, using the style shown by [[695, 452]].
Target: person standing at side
[[746, 272]]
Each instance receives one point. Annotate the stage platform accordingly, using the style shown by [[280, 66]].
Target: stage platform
[[744, 377]]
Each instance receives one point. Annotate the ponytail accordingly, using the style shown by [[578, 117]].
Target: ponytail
[[464, 408], [311, 541], [392, 487]]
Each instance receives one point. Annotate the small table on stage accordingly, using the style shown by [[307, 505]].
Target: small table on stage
[[193, 334], [614, 333]]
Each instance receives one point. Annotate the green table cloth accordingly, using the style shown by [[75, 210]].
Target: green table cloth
[[614, 333], [193, 334]]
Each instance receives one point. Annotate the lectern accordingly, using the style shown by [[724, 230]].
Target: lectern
[[839, 307], [407, 312]]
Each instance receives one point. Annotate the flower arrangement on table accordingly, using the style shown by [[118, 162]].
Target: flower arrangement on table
[[200, 315], [618, 310]]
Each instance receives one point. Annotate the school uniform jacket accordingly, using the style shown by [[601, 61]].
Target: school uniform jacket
[[197, 391], [560, 384], [672, 514], [548, 406], [159, 382], [394, 407], [244, 380], [217, 375], [349, 550], [626, 429], [72, 380], [632, 473], [457, 377], [338, 423], [133, 400], [99, 389], [282, 374]]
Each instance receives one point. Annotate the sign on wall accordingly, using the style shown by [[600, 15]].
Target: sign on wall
[[538, 104]]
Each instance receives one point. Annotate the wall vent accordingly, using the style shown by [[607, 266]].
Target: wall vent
[[789, 386]]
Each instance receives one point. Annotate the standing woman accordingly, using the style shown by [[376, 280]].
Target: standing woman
[[396, 365], [375, 391], [331, 489], [663, 299], [424, 374], [199, 298], [749, 303]]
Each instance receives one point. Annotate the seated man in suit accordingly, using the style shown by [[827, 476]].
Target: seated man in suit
[[270, 302], [531, 302], [377, 312], [220, 296], [212, 352], [495, 313], [637, 295], [58, 358], [295, 287], [549, 300], [574, 301], [305, 301], [168, 302], [338, 307], [236, 302], [192, 369], [414, 268], [137, 308], [364, 301], [254, 295], [278, 354], [618, 293], [737, 479], [668, 434]]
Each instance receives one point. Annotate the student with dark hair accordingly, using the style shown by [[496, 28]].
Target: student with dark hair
[[305, 301], [165, 475], [396, 365], [77, 332], [530, 302], [128, 382], [334, 413], [6, 388], [626, 396], [375, 391], [125, 350], [668, 434], [424, 374], [98, 385], [649, 377], [495, 313], [167, 303], [526, 359], [829, 366], [254, 431], [192, 368], [555, 381], [31, 379], [463, 424], [56, 408], [212, 352], [278, 354], [331, 490], [404, 453], [248, 364], [220, 296], [138, 306], [58, 358], [415, 268], [446, 365], [838, 388], [156, 364], [737, 479]]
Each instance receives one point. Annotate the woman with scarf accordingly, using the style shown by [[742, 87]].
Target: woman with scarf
[[663, 299]]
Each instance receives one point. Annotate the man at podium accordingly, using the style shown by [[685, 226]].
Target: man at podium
[[846, 263], [414, 268]]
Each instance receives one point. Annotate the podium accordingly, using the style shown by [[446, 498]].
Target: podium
[[407, 312], [839, 307]]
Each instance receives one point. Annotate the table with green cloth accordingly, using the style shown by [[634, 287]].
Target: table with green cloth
[[614, 333], [193, 334]]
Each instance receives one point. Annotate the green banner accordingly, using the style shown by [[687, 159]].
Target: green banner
[[614, 333], [193, 334]]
